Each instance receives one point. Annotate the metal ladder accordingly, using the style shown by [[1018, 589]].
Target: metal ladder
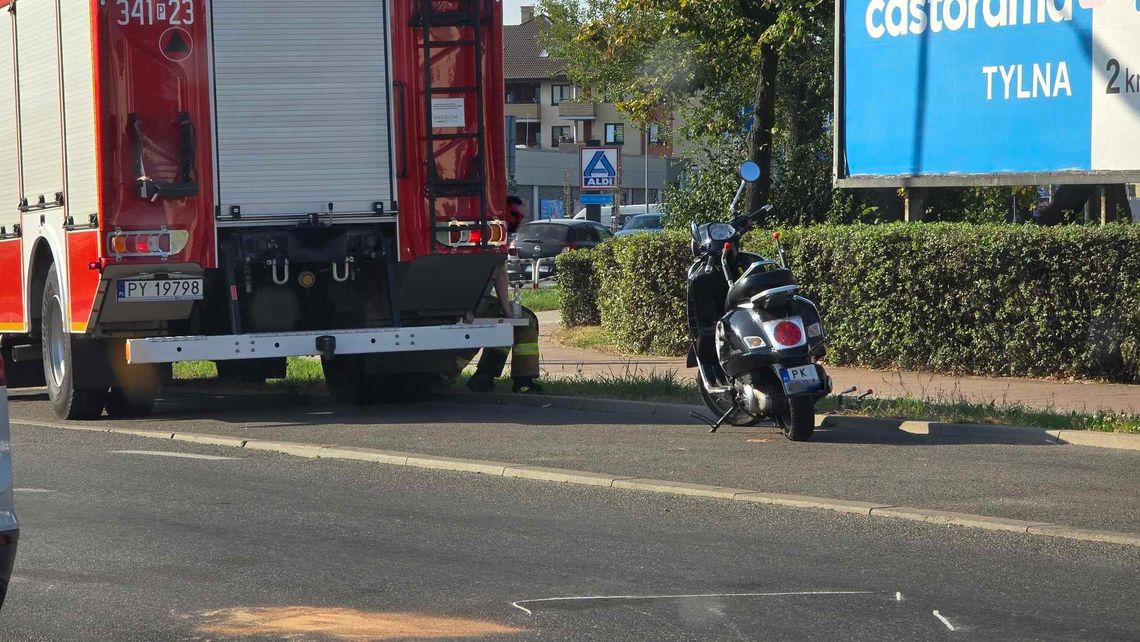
[[467, 15]]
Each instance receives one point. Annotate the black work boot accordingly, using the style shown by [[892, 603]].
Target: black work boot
[[527, 385], [480, 383]]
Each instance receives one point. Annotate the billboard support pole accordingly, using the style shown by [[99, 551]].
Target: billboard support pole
[[914, 205], [838, 117]]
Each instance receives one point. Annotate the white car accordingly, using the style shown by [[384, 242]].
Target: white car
[[625, 212], [9, 527]]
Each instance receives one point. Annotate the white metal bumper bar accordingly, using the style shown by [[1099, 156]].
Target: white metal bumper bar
[[483, 333]]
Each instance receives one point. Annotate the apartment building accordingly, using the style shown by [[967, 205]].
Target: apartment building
[[551, 121]]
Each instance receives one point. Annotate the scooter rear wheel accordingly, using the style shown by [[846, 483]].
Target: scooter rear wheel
[[719, 406], [797, 420]]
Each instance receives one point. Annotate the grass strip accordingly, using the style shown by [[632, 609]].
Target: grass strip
[[668, 388], [543, 300]]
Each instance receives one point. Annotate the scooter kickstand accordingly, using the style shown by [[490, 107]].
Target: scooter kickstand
[[720, 422], [713, 425]]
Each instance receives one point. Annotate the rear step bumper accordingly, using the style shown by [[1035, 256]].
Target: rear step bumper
[[483, 333]]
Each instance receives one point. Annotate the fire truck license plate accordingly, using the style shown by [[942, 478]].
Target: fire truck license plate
[[166, 290]]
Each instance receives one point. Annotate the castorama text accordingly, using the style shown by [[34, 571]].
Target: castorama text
[[914, 17]]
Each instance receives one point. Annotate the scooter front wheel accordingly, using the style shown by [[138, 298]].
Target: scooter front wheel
[[797, 419], [720, 405]]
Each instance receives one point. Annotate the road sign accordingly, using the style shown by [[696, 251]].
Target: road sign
[[599, 168], [998, 91], [604, 200]]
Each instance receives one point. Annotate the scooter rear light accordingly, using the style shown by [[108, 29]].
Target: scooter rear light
[[754, 343], [815, 330], [787, 334]]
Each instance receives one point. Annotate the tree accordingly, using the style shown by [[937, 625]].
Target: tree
[[715, 61]]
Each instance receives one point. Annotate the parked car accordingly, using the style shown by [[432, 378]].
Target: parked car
[[548, 239], [625, 212], [642, 223], [9, 527]]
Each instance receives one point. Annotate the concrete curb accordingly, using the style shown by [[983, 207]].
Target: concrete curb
[[966, 433], [804, 501], [956, 519], [585, 478]]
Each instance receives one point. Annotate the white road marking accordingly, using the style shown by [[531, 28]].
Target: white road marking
[[585, 598], [158, 453], [898, 596], [944, 620], [32, 491]]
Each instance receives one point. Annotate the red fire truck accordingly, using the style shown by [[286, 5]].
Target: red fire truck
[[244, 181]]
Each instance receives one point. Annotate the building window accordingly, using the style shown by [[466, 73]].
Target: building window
[[559, 93], [526, 134], [655, 137], [615, 133], [561, 134], [522, 93]]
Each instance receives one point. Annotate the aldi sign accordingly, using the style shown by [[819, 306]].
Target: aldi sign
[[599, 168], [1003, 90]]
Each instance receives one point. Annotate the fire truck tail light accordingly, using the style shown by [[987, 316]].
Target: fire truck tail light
[[160, 243], [470, 234]]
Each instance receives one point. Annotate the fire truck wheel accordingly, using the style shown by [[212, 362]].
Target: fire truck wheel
[[345, 379], [405, 388], [68, 401]]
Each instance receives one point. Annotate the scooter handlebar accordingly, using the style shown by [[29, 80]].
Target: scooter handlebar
[[744, 222]]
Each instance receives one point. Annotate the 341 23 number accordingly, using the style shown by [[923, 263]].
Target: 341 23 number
[[152, 12]]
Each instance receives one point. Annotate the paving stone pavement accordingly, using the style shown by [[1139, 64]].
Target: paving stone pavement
[[564, 361]]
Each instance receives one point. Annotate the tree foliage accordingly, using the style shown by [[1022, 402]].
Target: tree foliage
[[713, 61]]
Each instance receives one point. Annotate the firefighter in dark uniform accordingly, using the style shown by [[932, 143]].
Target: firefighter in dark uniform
[[524, 353]]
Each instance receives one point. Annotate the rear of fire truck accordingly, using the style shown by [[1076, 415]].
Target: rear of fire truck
[[244, 181]]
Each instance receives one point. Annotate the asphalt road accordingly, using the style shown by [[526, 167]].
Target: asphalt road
[[1072, 485], [120, 543]]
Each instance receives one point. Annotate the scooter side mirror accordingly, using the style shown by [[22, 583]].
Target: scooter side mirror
[[750, 172]]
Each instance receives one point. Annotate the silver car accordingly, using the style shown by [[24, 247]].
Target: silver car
[[9, 527]]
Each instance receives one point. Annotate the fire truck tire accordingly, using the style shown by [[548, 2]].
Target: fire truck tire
[[415, 387], [68, 401], [345, 380], [252, 371]]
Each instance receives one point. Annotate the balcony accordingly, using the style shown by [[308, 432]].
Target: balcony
[[523, 111], [573, 110]]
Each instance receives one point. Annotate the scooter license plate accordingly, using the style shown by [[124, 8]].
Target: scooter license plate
[[800, 379]]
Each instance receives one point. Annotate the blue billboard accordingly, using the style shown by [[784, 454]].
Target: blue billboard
[[989, 87]]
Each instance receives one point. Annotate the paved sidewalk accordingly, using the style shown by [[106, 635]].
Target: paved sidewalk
[[563, 361]]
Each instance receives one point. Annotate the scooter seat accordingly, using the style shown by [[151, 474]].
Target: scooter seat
[[752, 284]]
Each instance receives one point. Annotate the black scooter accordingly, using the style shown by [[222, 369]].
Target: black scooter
[[755, 342]]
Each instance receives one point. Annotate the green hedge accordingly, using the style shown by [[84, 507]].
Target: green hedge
[[579, 286], [986, 300], [641, 291]]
